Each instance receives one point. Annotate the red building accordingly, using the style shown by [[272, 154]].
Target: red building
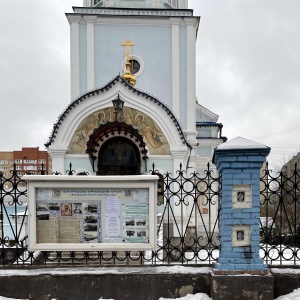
[[28, 161]]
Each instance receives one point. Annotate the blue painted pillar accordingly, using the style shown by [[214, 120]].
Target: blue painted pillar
[[239, 162]]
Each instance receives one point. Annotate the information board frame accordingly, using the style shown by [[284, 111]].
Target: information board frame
[[142, 185]]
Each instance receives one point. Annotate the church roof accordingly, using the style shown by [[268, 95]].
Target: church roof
[[105, 88]]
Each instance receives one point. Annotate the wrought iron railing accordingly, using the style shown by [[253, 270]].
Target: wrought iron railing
[[188, 206], [187, 224], [280, 217]]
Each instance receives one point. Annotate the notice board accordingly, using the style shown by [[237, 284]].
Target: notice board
[[92, 213]]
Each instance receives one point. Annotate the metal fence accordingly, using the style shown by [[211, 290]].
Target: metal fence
[[280, 217], [187, 225], [188, 211]]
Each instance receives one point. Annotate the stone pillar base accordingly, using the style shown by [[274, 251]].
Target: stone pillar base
[[242, 287]]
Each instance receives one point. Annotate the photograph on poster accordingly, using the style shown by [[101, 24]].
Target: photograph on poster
[[141, 223], [130, 222], [90, 237], [66, 209], [42, 212], [90, 220], [53, 206], [91, 208], [77, 208], [42, 207], [91, 228], [141, 233], [42, 215], [130, 233]]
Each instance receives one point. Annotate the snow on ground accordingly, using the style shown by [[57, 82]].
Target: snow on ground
[[188, 297], [199, 296], [111, 270], [295, 295]]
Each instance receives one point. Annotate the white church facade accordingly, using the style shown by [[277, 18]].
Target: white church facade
[[142, 54]]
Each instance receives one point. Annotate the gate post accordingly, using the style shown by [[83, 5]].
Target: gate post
[[239, 162]]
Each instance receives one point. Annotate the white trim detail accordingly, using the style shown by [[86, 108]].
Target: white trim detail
[[75, 66], [132, 100], [90, 20], [58, 159], [191, 73], [175, 66], [245, 231], [139, 60], [144, 12], [247, 191]]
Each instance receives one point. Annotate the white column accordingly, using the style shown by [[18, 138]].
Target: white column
[[182, 4], [175, 66], [58, 160], [148, 4], [90, 45], [186, 4], [75, 70], [191, 74], [87, 3]]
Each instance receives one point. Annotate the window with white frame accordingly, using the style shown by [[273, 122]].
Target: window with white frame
[[42, 161], [18, 167], [29, 161], [3, 162], [18, 161], [30, 168], [3, 168]]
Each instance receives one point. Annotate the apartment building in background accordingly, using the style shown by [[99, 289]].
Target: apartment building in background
[[29, 160]]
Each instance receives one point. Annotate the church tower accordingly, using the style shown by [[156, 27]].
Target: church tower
[[140, 54]]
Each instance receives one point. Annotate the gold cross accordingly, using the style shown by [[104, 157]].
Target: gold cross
[[127, 46]]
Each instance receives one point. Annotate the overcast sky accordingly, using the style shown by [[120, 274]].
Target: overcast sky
[[248, 70]]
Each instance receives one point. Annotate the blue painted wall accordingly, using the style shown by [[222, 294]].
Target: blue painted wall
[[239, 166], [153, 46]]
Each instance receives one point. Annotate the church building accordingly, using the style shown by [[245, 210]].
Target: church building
[[133, 92]]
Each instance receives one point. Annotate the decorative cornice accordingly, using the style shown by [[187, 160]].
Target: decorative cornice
[[90, 19], [72, 18], [105, 88], [133, 12]]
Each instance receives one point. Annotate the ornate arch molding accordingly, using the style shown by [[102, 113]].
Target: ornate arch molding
[[104, 89], [109, 130]]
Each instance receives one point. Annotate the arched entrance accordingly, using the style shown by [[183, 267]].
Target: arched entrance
[[119, 156], [116, 148]]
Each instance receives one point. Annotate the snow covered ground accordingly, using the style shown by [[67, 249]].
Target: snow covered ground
[[295, 295]]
